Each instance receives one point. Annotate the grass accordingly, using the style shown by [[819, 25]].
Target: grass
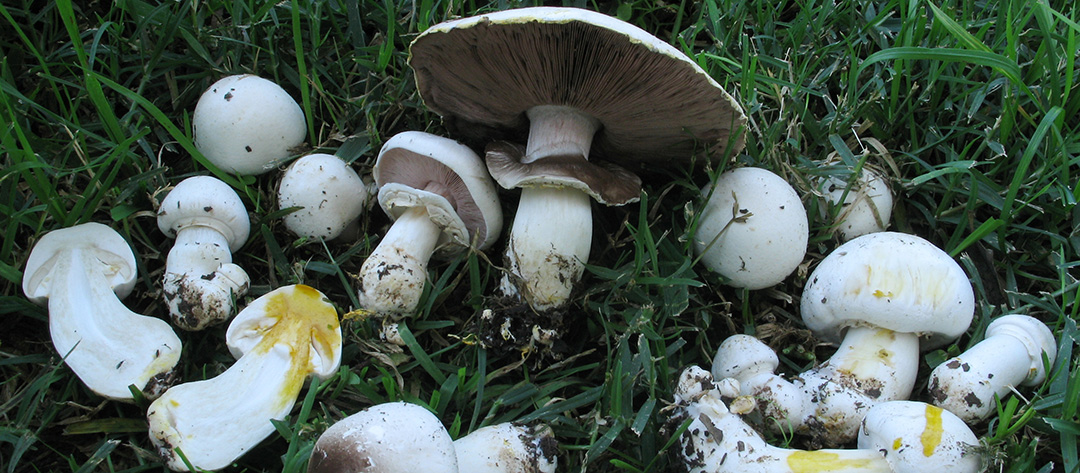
[[971, 107]]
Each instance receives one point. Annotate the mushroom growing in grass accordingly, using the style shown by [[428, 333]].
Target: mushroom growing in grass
[[507, 448], [864, 205], [895, 437], [279, 339], [579, 88], [880, 296], [82, 273], [753, 230], [329, 194], [245, 124], [209, 222], [442, 201], [1011, 355]]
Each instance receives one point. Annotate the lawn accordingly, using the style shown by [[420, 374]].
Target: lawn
[[970, 108]]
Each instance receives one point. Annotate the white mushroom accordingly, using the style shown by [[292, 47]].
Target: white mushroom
[[245, 124], [507, 448], [81, 273], [1011, 355], [393, 437], [865, 205], [719, 441], [753, 230], [881, 293], [330, 195], [280, 339], [442, 201], [209, 222], [618, 97]]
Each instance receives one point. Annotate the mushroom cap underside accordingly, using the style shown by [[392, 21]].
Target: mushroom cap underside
[[108, 246]]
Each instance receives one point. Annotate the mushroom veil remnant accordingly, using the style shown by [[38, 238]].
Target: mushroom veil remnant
[[245, 124], [81, 273], [442, 201], [589, 96], [209, 222], [279, 340]]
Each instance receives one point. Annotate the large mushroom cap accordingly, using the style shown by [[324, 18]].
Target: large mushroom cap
[[205, 201], [417, 168], [890, 280], [653, 104]]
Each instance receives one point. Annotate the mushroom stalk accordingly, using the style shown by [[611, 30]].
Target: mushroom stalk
[[83, 320], [201, 280], [556, 130], [392, 278], [549, 245], [872, 365]]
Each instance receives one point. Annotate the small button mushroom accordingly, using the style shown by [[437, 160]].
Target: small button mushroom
[[879, 295], [916, 438], [248, 125], [1011, 355], [329, 194], [81, 273], [619, 96], [393, 437], [209, 222], [753, 230], [279, 339], [507, 448], [442, 202], [865, 205]]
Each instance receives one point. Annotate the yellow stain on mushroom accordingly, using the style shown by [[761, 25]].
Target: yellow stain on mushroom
[[825, 461], [931, 435]]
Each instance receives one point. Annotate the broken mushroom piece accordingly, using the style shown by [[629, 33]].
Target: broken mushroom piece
[[753, 229], [507, 448], [865, 204], [280, 339], [245, 124], [920, 438], [879, 296], [81, 273], [442, 202], [329, 194], [209, 222], [1011, 355], [579, 88], [393, 437]]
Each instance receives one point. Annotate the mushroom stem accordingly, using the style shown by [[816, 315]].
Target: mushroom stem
[[549, 245], [84, 313], [393, 276], [872, 365], [201, 280], [556, 130]]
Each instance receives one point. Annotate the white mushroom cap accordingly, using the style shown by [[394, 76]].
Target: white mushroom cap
[[331, 194], [753, 230], [917, 438], [1010, 355], [418, 168], [507, 448], [245, 124], [895, 281], [867, 207], [81, 272], [393, 437], [205, 201]]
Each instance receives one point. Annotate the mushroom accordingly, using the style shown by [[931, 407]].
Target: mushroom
[[82, 273], [882, 293], [1011, 355], [753, 229], [245, 124], [921, 438], [442, 202], [579, 88], [279, 339], [393, 437], [209, 222], [865, 204], [329, 194], [507, 448]]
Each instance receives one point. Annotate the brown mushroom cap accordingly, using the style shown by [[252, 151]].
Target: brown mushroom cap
[[652, 102]]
